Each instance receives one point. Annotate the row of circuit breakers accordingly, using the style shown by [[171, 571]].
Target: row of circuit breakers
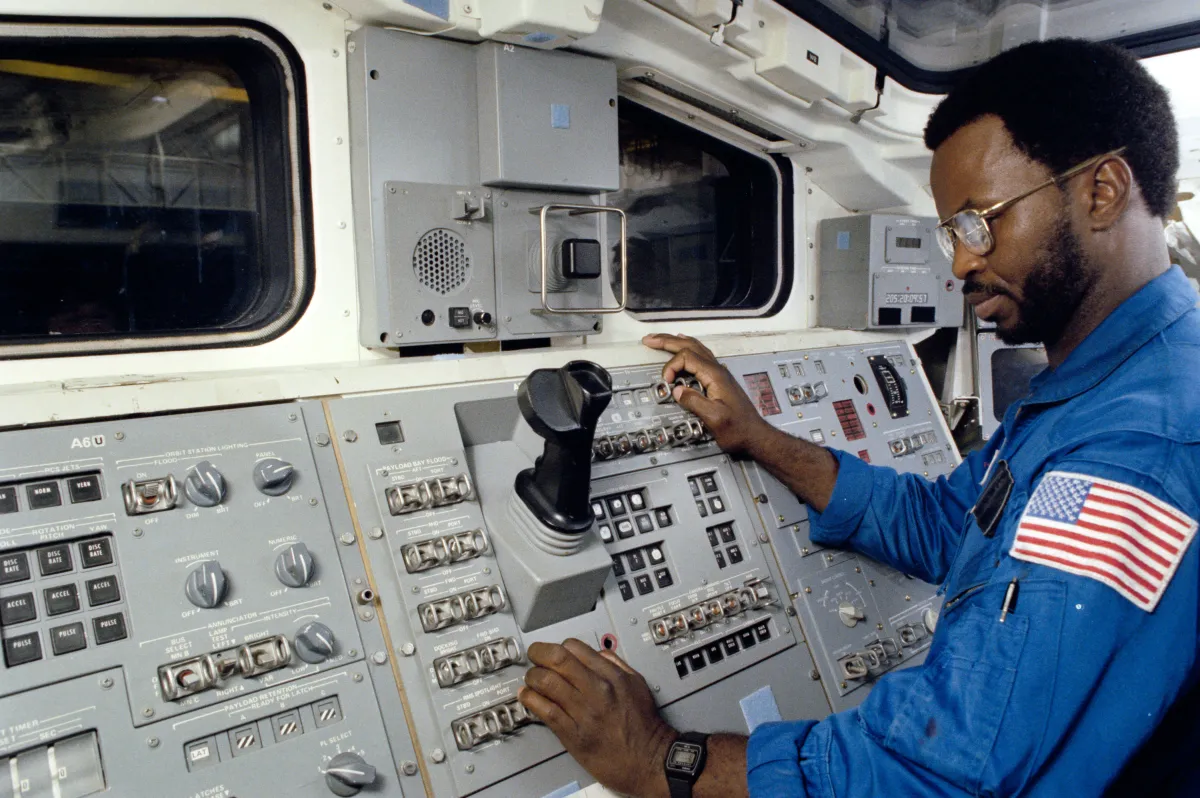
[[337, 597]]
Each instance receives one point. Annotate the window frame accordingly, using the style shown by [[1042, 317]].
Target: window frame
[[292, 224], [782, 168]]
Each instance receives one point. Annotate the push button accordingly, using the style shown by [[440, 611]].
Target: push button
[[702, 508], [663, 577], [716, 504], [730, 644], [624, 528], [103, 591], [746, 638], [708, 483], [54, 559], [616, 506], [109, 628], [712, 537], [696, 660], [17, 609], [636, 561], [201, 753], [244, 739], [65, 639], [637, 501], [735, 555], [84, 489], [42, 495], [598, 510], [606, 533], [762, 631], [14, 568], [61, 599], [8, 499], [94, 553], [22, 649], [626, 590], [618, 567], [714, 652], [727, 535], [663, 516], [643, 583], [720, 558], [644, 524]]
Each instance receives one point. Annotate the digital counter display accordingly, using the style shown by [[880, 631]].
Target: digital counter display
[[762, 394], [908, 243]]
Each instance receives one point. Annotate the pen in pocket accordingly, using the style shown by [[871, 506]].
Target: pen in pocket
[[1010, 600]]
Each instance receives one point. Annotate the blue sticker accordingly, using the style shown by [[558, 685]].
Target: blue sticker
[[439, 8], [760, 707], [843, 239], [564, 791], [560, 116], [541, 37]]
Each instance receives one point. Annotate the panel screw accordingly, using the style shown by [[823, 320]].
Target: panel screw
[[653, 461], [147, 712], [469, 768], [408, 649], [633, 621], [762, 537], [336, 53], [487, 570], [342, 225], [879, 626], [791, 611], [292, 417], [665, 472], [356, 677], [379, 658], [375, 534], [857, 569], [908, 598], [803, 549], [312, 502], [871, 582], [762, 23], [352, 653], [106, 683], [327, 6], [152, 742], [416, 589], [339, 140], [391, 189], [366, 615], [120, 436], [409, 767], [808, 590], [438, 755], [347, 539], [843, 685], [657, 688], [350, 436], [322, 439], [137, 533], [815, 675]]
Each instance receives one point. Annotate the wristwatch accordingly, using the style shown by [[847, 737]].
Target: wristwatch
[[685, 762]]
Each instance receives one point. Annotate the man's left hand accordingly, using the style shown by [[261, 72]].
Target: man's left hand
[[603, 712]]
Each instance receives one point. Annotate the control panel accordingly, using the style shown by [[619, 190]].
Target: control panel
[[337, 597], [176, 610]]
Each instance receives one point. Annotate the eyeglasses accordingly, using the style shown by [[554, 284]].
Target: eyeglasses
[[971, 226]]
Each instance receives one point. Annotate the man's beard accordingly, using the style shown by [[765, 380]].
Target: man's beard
[[1054, 290]]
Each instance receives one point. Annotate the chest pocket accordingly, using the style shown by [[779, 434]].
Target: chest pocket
[[948, 718]]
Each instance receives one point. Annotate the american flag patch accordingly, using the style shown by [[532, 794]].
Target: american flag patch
[[1112, 532]]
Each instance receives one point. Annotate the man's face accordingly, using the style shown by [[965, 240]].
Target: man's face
[[1033, 280]]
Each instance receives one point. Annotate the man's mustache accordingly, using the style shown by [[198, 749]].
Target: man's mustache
[[973, 287]]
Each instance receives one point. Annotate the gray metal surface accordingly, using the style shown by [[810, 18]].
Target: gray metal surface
[[142, 732], [877, 263], [547, 120]]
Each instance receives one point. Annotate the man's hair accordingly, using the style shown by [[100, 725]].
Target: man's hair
[[1066, 100]]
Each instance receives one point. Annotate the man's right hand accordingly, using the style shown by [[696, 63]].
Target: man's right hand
[[723, 407]]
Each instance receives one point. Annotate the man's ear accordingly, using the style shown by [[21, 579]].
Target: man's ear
[[1109, 192]]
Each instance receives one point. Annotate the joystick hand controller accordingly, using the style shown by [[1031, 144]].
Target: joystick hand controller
[[563, 407]]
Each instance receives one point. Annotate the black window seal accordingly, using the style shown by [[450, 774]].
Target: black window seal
[[297, 179], [1162, 41]]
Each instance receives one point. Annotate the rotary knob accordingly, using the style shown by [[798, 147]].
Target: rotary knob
[[206, 585], [930, 619], [205, 485], [294, 566], [850, 614], [314, 642], [273, 476], [348, 773]]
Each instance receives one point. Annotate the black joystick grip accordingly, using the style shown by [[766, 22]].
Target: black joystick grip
[[563, 406]]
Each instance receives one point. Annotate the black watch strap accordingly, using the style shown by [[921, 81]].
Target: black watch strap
[[679, 784]]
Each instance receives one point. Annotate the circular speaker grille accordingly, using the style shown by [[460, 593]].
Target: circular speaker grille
[[441, 261]]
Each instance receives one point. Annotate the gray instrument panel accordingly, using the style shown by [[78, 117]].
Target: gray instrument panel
[[400, 634]]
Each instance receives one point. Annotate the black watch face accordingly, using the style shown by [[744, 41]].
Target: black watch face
[[684, 757]]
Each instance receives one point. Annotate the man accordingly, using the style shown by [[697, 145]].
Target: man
[[1064, 547]]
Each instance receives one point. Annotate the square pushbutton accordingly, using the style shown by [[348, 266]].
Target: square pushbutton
[[643, 583], [54, 559], [712, 536], [708, 483], [460, 318], [84, 489], [746, 637], [42, 495], [624, 528], [389, 433], [65, 639], [762, 631], [637, 501], [681, 666], [702, 508], [720, 558], [598, 510], [61, 599], [644, 524], [626, 590], [695, 486], [606, 533], [8, 499], [201, 753], [22, 649], [244, 739], [94, 553], [727, 535], [735, 555], [109, 628], [716, 504], [327, 712], [103, 591], [287, 725], [618, 566], [663, 577], [663, 516], [616, 506], [17, 609], [730, 644], [636, 561], [655, 555], [714, 652], [14, 568], [696, 660]]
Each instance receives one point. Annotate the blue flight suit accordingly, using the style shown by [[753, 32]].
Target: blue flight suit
[[1058, 698]]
